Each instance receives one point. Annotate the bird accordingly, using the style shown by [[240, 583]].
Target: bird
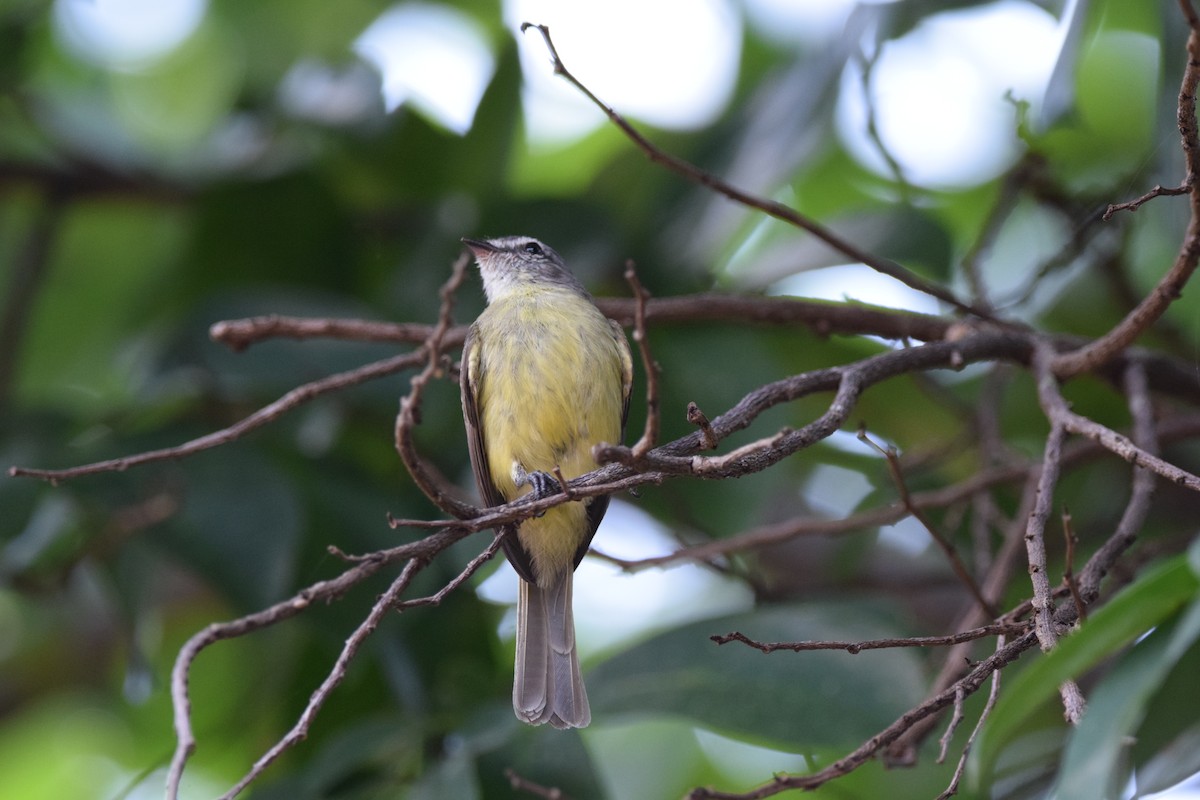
[[545, 377]]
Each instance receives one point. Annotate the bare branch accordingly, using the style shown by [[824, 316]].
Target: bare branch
[[1147, 437], [853, 648], [238, 334], [947, 547], [462, 577], [336, 675], [269, 413], [429, 480], [955, 721], [640, 296], [952, 789], [968, 685], [770, 207], [1171, 286], [1133, 205], [1068, 566], [327, 590], [521, 784]]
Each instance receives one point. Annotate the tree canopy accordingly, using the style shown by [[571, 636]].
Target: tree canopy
[[906, 506]]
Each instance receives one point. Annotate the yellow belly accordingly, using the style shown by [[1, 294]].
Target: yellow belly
[[551, 389]]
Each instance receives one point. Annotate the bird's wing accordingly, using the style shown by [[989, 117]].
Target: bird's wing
[[471, 379], [626, 371], [599, 505]]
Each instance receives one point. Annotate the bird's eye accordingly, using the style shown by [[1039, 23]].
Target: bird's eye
[[533, 248]]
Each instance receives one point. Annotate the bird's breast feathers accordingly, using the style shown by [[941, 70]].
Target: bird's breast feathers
[[551, 384]]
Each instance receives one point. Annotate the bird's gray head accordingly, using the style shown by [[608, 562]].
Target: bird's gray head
[[512, 262]]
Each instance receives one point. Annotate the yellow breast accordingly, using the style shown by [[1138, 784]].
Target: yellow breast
[[551, 388]]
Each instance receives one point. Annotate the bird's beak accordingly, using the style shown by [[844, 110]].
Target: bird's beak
[[479, 247]]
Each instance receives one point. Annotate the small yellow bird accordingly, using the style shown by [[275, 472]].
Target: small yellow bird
[[545, 376]]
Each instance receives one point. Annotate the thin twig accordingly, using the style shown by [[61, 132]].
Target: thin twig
[[650, 435], [998, 629], [866, 65], [522, 784], [951, 553], [336, 675], [955, 720], [238, 334], [1133, 205], [770, 207], [1145, 436], [1068, 565], [326, 590], [956, 779], [267, 414], [428, 479], [472, 567], [904, 750], [968, 685]]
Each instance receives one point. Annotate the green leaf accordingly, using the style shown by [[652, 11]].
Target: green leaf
[[790, 700], [1167, 749], [1096, 763], [1138, 608], [240, 525]]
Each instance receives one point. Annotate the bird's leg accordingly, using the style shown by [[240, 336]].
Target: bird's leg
[[542, 483]]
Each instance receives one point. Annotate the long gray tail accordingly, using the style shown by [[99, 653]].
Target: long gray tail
[[547, 685]]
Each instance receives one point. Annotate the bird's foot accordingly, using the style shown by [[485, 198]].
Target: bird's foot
[[542, 483]]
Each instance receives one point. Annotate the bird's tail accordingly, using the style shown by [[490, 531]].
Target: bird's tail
[[547, 685]]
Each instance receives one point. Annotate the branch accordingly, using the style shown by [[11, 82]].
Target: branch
[[1147, 437], [770, 207], [640, 296], [238, 334], [1043, 601], [903, 751], [1133, 205], [1155, 304], [998, 629], [336, 675], [947, 547], [848, 382], [965, 687], [823, 317], [1069, 566], [269, 413], [428, 479], [521, 784], [327, 590], [952, 789]]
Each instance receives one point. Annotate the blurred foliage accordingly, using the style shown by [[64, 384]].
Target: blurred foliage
[[139, 204]]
